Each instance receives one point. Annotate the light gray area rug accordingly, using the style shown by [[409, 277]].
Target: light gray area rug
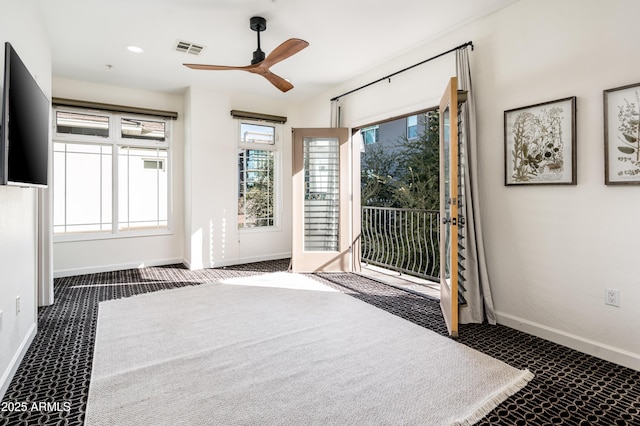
[[282, 349]]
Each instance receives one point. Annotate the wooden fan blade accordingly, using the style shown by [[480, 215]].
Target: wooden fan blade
[[277, 81], [286, 49], [219, 67]]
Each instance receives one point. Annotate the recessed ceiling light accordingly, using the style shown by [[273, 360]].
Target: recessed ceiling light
[[135, 49]]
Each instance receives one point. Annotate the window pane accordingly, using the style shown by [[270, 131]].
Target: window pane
[[143, 129], [255, 188], [370, 135], [82, 124], [87, 177], [82, 188], [255, 133], [142, 190], [412, 126]]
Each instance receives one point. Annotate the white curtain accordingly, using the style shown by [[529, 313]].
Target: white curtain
[[478, 291]]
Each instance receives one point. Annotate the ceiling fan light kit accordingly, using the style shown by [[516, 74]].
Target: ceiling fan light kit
[[261, 64]]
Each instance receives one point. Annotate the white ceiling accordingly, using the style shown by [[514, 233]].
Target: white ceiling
[[346, 37]]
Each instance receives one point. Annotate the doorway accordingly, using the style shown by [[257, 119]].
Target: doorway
[[400, 195]]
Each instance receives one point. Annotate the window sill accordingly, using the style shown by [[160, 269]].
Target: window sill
[[109, 236]]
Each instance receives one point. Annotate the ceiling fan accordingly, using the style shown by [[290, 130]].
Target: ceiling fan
[[259, 64]]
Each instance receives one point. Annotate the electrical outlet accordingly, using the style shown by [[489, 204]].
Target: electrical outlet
[[612, 296], [17, 305]]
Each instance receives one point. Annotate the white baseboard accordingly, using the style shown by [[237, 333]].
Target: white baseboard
[[241, 260], [275, 256], [114, 267], [584, 345], [141, 264], [7, 376]]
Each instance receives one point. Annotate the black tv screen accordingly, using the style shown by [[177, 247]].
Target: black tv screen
[[24, 145]]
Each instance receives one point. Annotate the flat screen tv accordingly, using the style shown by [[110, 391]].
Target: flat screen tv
[[24, 141]]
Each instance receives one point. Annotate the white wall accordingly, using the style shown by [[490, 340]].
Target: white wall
[[555, 249], [552, 250], [211, 198], [20, 25], [79, 257]]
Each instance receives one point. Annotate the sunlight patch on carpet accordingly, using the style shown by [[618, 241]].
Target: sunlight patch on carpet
[[280, 280]]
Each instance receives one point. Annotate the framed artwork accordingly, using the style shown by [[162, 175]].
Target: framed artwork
[[622, 135], [540, 144]]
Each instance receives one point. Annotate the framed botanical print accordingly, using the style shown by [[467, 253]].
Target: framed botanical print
[[622, 135], [540, 144]]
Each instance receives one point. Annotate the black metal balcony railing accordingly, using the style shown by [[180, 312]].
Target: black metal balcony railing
[[403, 240]]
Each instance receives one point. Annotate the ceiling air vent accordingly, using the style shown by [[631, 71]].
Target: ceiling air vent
[[188, 47]]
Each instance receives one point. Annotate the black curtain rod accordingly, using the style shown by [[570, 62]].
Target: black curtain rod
[[462, 46]]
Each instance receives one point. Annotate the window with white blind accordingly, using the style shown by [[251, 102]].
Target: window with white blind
[[111, 174]]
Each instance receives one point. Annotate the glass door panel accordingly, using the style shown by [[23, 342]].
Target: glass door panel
[[446, 190], [449, 206]]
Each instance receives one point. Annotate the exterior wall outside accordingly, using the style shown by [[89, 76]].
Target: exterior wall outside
[[551, 250], [391, 132]]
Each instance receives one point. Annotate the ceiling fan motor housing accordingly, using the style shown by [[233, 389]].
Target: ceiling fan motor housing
[[258, 56]]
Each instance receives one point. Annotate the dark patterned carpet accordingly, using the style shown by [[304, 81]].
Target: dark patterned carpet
[[570, 388]]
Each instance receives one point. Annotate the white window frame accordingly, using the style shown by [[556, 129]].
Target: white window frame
[[115, 140], [276, 148]]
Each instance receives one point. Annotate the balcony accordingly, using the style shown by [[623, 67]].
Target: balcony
[[405, 242]]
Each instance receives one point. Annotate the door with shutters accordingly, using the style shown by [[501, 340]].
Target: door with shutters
[[451, 202], [321, 200]]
